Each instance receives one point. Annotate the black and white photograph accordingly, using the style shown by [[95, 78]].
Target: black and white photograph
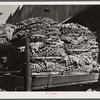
[[50, 48]]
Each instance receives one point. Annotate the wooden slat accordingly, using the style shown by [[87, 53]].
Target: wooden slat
[[61, 80], [39, 58], [45, 81], [58, 79], [70, 84], [49, 81], [40, 80], [78, 50], [28, 74]]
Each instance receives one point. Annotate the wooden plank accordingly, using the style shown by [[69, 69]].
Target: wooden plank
[[28, 74], [40, 80], [78, 50], [58, 79], [70, 84], [39, 87], [39, 58], [38, 35], [61, 80]]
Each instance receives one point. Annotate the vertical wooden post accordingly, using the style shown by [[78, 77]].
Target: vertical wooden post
[[28, 74]]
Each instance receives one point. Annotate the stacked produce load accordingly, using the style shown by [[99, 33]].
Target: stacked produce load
[[81, 47], [36, 27], [44, 33], [60, 49], [6, 32], [45, 44]]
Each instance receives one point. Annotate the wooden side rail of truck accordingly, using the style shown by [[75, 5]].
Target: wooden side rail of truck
[[31, 82]]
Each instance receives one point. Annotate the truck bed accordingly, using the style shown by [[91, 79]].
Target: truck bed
[[50, 81]]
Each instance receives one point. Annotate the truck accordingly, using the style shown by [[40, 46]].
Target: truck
[[51, 82], [27, 81], [19, 77]]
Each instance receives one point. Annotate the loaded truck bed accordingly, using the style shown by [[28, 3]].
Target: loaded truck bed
[[52, 81]]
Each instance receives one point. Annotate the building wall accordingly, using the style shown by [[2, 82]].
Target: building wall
[[57, 12]]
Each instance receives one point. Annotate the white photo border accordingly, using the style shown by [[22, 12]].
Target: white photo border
[[52, 94]]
